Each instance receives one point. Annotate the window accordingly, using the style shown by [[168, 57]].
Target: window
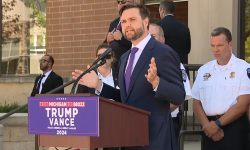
[[23, 36]]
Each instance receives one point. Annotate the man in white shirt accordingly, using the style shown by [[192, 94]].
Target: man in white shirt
[[157, 32], [221, 94]]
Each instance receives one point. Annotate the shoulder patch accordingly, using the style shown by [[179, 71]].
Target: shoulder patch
[[248, 72], [184, 75]]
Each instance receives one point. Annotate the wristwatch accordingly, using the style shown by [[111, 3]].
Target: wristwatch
[[217, 122]]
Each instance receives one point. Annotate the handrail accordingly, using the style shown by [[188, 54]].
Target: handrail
[[25, 105], [192, 67], [13, 111]]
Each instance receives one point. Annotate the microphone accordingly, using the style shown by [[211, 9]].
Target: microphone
[[112, 47]]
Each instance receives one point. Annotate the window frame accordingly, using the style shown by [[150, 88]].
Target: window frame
[[1, 38], [241, 29]]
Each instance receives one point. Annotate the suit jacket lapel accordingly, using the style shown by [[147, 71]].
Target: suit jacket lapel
[[145, 56]]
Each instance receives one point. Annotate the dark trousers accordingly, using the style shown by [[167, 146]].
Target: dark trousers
[[236, 136], [177, 127]]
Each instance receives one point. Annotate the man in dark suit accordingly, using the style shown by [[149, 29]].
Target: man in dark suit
[[115, 34], [149, 78], [176, 34], [48, 80]]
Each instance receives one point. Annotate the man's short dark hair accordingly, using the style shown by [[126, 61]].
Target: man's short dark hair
[[101, 46], [51, 59], [104, 45], [144, 12], [221, 30], [168, 6]]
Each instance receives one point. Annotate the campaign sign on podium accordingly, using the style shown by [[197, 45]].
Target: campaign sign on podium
[[76, 116]]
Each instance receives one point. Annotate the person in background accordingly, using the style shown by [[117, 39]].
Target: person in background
[[149, 78], [105, 73], [157, 32], [115, 34], [48, 80], [176, 33], [221, 94]]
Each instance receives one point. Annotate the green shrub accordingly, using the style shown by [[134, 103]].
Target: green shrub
[[247, 49], [9, 107]]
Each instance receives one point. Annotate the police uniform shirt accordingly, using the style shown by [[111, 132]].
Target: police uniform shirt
[[218, 87], [187, 89]]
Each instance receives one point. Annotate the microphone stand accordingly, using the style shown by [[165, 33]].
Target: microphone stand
[[59, 88], [55, 90], [85, 72]]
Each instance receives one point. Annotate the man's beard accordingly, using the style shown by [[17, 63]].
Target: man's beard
[[138, 33], [43, 68]]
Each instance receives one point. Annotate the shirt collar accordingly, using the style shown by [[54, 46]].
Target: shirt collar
[[143, 43], [100, 75], [169, 15], [47, 74], [230, 65]]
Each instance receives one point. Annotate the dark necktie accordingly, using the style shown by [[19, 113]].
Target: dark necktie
[[130, 66], [119, 26], [39, 83]]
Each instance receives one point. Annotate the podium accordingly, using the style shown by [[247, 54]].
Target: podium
[[120, 125]]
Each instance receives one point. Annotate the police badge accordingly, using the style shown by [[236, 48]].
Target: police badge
[[206, 76], [248, 72], [184, 75], [232, 75]]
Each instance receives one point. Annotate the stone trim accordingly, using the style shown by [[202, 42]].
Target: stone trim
[[31, 79]]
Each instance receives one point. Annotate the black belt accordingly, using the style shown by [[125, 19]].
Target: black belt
[[213, 118]]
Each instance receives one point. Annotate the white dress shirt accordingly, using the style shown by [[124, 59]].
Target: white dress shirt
[[219, 87], [187, 89], [43, 80], [140, 47], [108, 80]]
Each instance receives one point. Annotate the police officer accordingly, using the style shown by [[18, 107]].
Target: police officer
[[157, 32], [221, 94]]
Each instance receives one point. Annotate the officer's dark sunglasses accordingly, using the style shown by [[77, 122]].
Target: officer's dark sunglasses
[[123, 2], [43, 60], [107, 56]]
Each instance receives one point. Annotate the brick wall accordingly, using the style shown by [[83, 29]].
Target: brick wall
[[181, 12], [74, 29]]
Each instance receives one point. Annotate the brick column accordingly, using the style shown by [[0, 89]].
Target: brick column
[[74, 29]]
